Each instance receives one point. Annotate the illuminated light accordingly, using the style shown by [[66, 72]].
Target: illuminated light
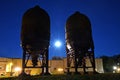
[[11, 64], [114, 67], [60, 69], [68, 46], [9, 67], [96, 69], [57, 43], [118, 69], [17, 69]]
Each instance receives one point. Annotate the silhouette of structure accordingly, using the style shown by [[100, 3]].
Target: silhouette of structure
[[79, 42], [35, 38]]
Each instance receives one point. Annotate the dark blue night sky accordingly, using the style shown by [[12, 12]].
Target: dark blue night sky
[[103, 14]]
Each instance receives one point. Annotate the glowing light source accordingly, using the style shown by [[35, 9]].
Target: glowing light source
[[118, 69], [57, 43], [114, 67], [60, 69], [11, 64], [17, 69], [9, 67]]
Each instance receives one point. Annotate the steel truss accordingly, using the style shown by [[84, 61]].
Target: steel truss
[[80, 60], [41, 58]]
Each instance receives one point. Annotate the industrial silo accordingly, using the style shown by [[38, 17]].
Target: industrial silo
[[35, 37], [79, 42]]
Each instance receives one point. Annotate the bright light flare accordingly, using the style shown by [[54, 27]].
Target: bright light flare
[[60, 69], [114, 67], [57, 43], [17, 69]]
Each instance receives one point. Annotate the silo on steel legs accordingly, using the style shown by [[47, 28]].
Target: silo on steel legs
[[79, 43], [35, 38]]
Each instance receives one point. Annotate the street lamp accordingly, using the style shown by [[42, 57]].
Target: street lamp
[[114, 67]]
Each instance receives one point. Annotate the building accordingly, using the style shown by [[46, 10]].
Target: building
[[13, 66]]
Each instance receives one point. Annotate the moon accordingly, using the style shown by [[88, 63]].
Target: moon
[[57, 44]]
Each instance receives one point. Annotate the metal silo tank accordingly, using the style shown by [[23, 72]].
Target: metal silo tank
[[35, 31], [78, 31], [35, 38], [79, 42]]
